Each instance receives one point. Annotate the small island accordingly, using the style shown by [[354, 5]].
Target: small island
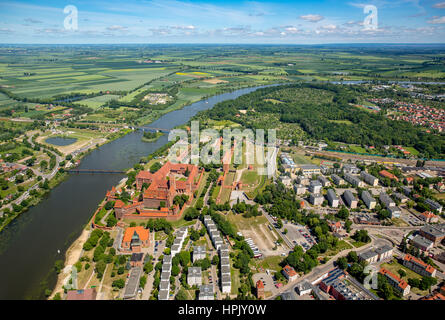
[[149, 136]]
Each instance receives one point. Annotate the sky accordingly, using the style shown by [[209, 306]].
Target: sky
[[204, 21]]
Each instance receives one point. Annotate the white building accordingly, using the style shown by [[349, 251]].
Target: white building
[[194, 276], [333, 200], [369, 200], [369, 178]]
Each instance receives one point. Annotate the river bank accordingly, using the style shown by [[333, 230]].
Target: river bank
[[39, 238]]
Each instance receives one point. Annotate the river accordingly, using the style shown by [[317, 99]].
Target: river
[[29, 245]]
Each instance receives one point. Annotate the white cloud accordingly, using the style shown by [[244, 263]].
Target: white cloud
[[312, 17], [330, 27], [437, 20], [440, 5], [116, 28]]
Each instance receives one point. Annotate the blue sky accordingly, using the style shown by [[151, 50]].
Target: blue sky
[[178, 21]]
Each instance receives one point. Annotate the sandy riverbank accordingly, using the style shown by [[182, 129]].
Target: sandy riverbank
[[72, 255]]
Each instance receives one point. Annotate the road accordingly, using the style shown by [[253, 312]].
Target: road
[[322, 269], [47, 176]]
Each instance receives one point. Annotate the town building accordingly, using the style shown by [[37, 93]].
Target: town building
[[303, 180], [369, 178], [406, 190], [434, 206], [206, 292], [315, 186], [316, 199], [394, 212], [370, 256], [132, 286], [289, 273], [260, 290], [324, 181], [161, 189], [342, 287], [337, 180], [304, 288], [135, 238], [388, 175], [398, 284], [369, 200], [350, 199], [350, 168], [401, 197], [309, 169], [226, 284], [355, 181], [333, 200], [428, 217], [137, 259], [418, 266], [286, 180], [434, 233], [300, 189], [194, 276], [386, 200], [199, 253], [422, 243]]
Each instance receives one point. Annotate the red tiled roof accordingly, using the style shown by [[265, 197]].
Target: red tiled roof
[[289, 271], [427, 267], [402, 283], [119, 204], [141, 231]]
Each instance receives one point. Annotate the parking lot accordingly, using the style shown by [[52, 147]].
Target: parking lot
[[268, 281], [410, 218], [298, 234]]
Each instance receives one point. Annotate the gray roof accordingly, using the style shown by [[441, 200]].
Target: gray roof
[[206, 289], [164, 285], [194, 272], [199, 249], [225, 270], [163, 294], [165, 275], [436, 232], [167, 258], [332, 195], [366, 196], [421, 241], [383, 249], [349, 196], [225, 279], [133, 283], [368, 254], [309, 167]]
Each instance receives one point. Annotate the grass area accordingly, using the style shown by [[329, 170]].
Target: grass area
[[342, 245], [395, 266], [271, 263], [245, 223]]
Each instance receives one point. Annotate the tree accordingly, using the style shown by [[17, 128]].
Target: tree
[[352, 256], [342, 263], [120, 283], [215, 260], [155, 167], [175, 270], [184, 258], [148, 267], [402, 273], [343, 213], [181, 295]]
